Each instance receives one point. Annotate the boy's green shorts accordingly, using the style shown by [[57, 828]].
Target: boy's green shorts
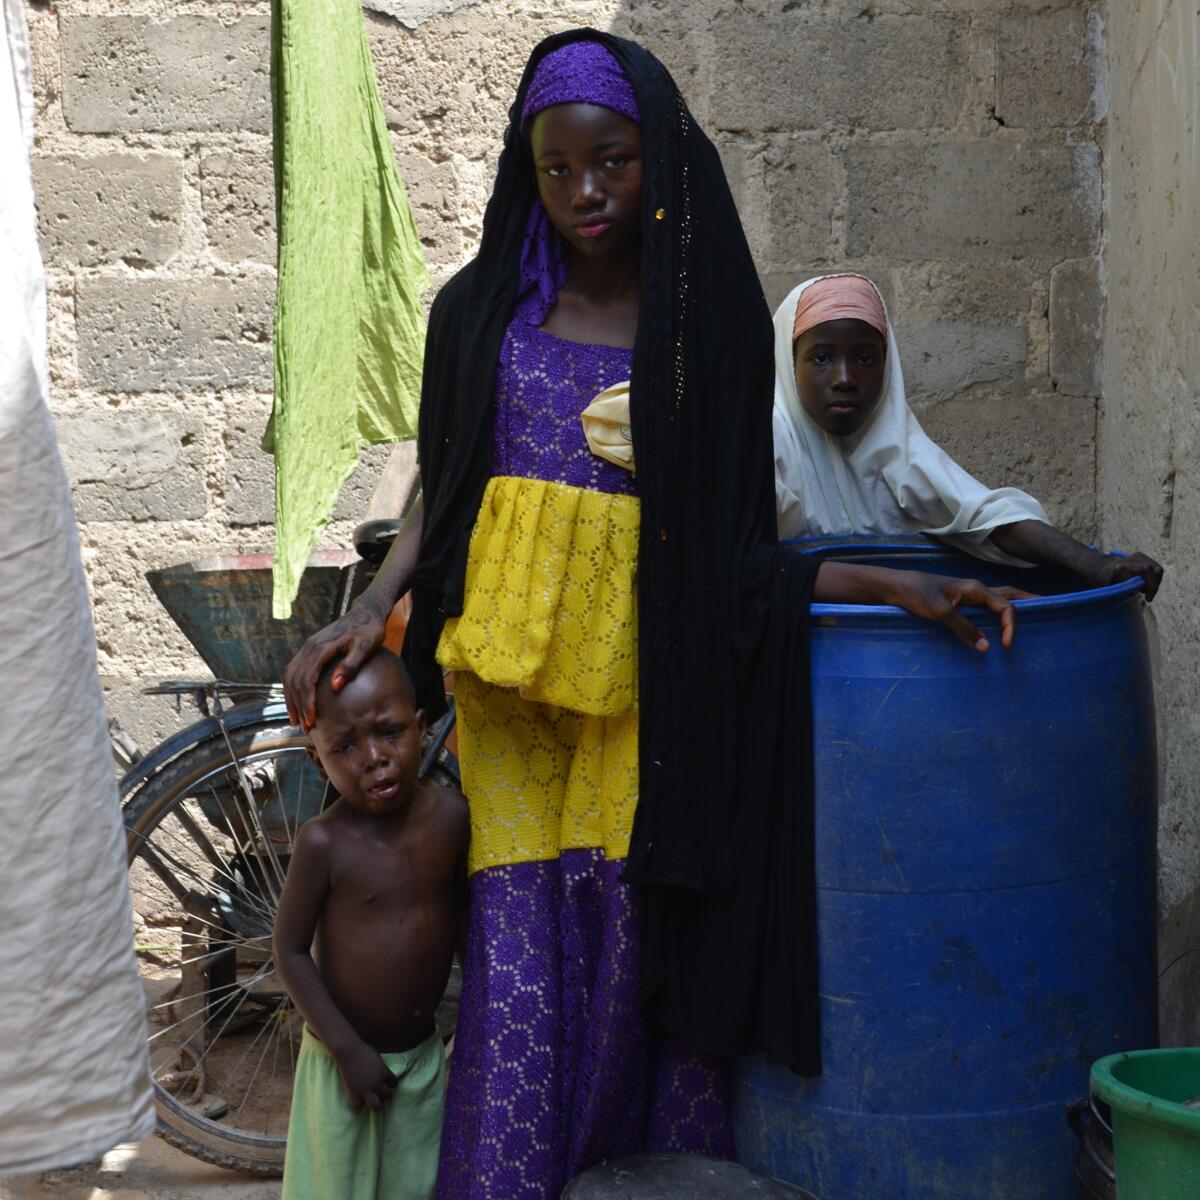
[[334, 1152]]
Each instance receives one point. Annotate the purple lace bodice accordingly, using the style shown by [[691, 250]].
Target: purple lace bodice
[[543, 383]]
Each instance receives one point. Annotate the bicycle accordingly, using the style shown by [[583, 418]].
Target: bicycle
[[211, 815]]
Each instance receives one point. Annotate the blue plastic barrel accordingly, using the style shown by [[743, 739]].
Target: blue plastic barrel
[[985, 848]]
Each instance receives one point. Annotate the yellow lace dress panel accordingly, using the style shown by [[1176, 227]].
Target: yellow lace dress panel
[[542, 779], [550, 604], [545, 662]]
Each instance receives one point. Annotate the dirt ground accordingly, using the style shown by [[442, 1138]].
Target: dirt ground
[[149, 1170]]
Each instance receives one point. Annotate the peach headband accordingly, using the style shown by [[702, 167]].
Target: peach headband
[[838, 298]]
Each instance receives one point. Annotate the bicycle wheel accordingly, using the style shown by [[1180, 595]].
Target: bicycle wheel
[[209, 838], [211, 817]]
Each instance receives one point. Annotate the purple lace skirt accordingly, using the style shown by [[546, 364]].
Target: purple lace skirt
[[554, 1068]]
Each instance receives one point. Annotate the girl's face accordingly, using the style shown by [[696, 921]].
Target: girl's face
[[589, 175], [839, 374]]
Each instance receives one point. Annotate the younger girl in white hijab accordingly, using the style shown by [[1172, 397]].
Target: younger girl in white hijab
[[850, 456]]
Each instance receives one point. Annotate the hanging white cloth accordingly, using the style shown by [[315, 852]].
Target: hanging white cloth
[[74, 1078], [889, 477]]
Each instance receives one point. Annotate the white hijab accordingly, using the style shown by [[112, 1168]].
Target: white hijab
[[887, 478]]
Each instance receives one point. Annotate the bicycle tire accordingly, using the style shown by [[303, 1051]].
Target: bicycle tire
[[201, 753]]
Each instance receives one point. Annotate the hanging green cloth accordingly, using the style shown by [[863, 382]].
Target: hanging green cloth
[[349, 327]]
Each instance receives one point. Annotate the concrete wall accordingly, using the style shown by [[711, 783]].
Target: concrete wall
[[950, 151], [950, 148], [1149, 445]]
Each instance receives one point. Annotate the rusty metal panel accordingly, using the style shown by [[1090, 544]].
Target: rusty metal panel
[[223, 607]]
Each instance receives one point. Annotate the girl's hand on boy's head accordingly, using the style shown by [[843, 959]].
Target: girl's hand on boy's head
[[366, 1076], [353, 638]]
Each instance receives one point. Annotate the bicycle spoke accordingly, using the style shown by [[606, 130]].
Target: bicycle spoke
[[248, 792], [213, 831], [230, 948], [283, 806], [280, 1033], [230, 944], [247, 1050], [239, 892], [198, 835], [222, 930], [178, 1000], [257, 1067], [221, 865], [243, 839], [242, 993], [232, 991], [153, 860], [207, 890], [241, 836]]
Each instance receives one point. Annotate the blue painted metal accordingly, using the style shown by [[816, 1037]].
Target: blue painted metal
[[985, 845], [223, 607]]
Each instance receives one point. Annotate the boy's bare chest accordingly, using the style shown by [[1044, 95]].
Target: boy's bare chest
[[387, 878]]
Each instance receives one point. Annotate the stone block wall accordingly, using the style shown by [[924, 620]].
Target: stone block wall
[[952, 149], [155, 197], [952, 152]]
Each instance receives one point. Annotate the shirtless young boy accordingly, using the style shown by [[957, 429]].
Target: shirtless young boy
[[379, 879]]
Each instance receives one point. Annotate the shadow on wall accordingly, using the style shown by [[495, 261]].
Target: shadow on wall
[[1179, 973]]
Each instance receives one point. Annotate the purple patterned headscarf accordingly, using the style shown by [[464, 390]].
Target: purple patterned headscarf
[[580, 72]]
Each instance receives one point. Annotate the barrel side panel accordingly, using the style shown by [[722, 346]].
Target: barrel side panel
[[985, 836]]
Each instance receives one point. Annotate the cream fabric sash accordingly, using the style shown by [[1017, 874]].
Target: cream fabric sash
[[606, 426]]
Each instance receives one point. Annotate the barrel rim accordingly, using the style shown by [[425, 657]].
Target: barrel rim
[[1086, 598], [1136, 1103]]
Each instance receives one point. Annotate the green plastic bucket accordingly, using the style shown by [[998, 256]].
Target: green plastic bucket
[[1156, 1139]]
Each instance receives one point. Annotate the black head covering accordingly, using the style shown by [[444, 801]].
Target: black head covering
[[722, 844]]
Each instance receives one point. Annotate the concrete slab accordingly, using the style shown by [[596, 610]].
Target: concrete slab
[[149, 1170], [676, 1177]]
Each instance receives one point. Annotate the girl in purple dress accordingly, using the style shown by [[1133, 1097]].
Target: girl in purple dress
[[595, 561]]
